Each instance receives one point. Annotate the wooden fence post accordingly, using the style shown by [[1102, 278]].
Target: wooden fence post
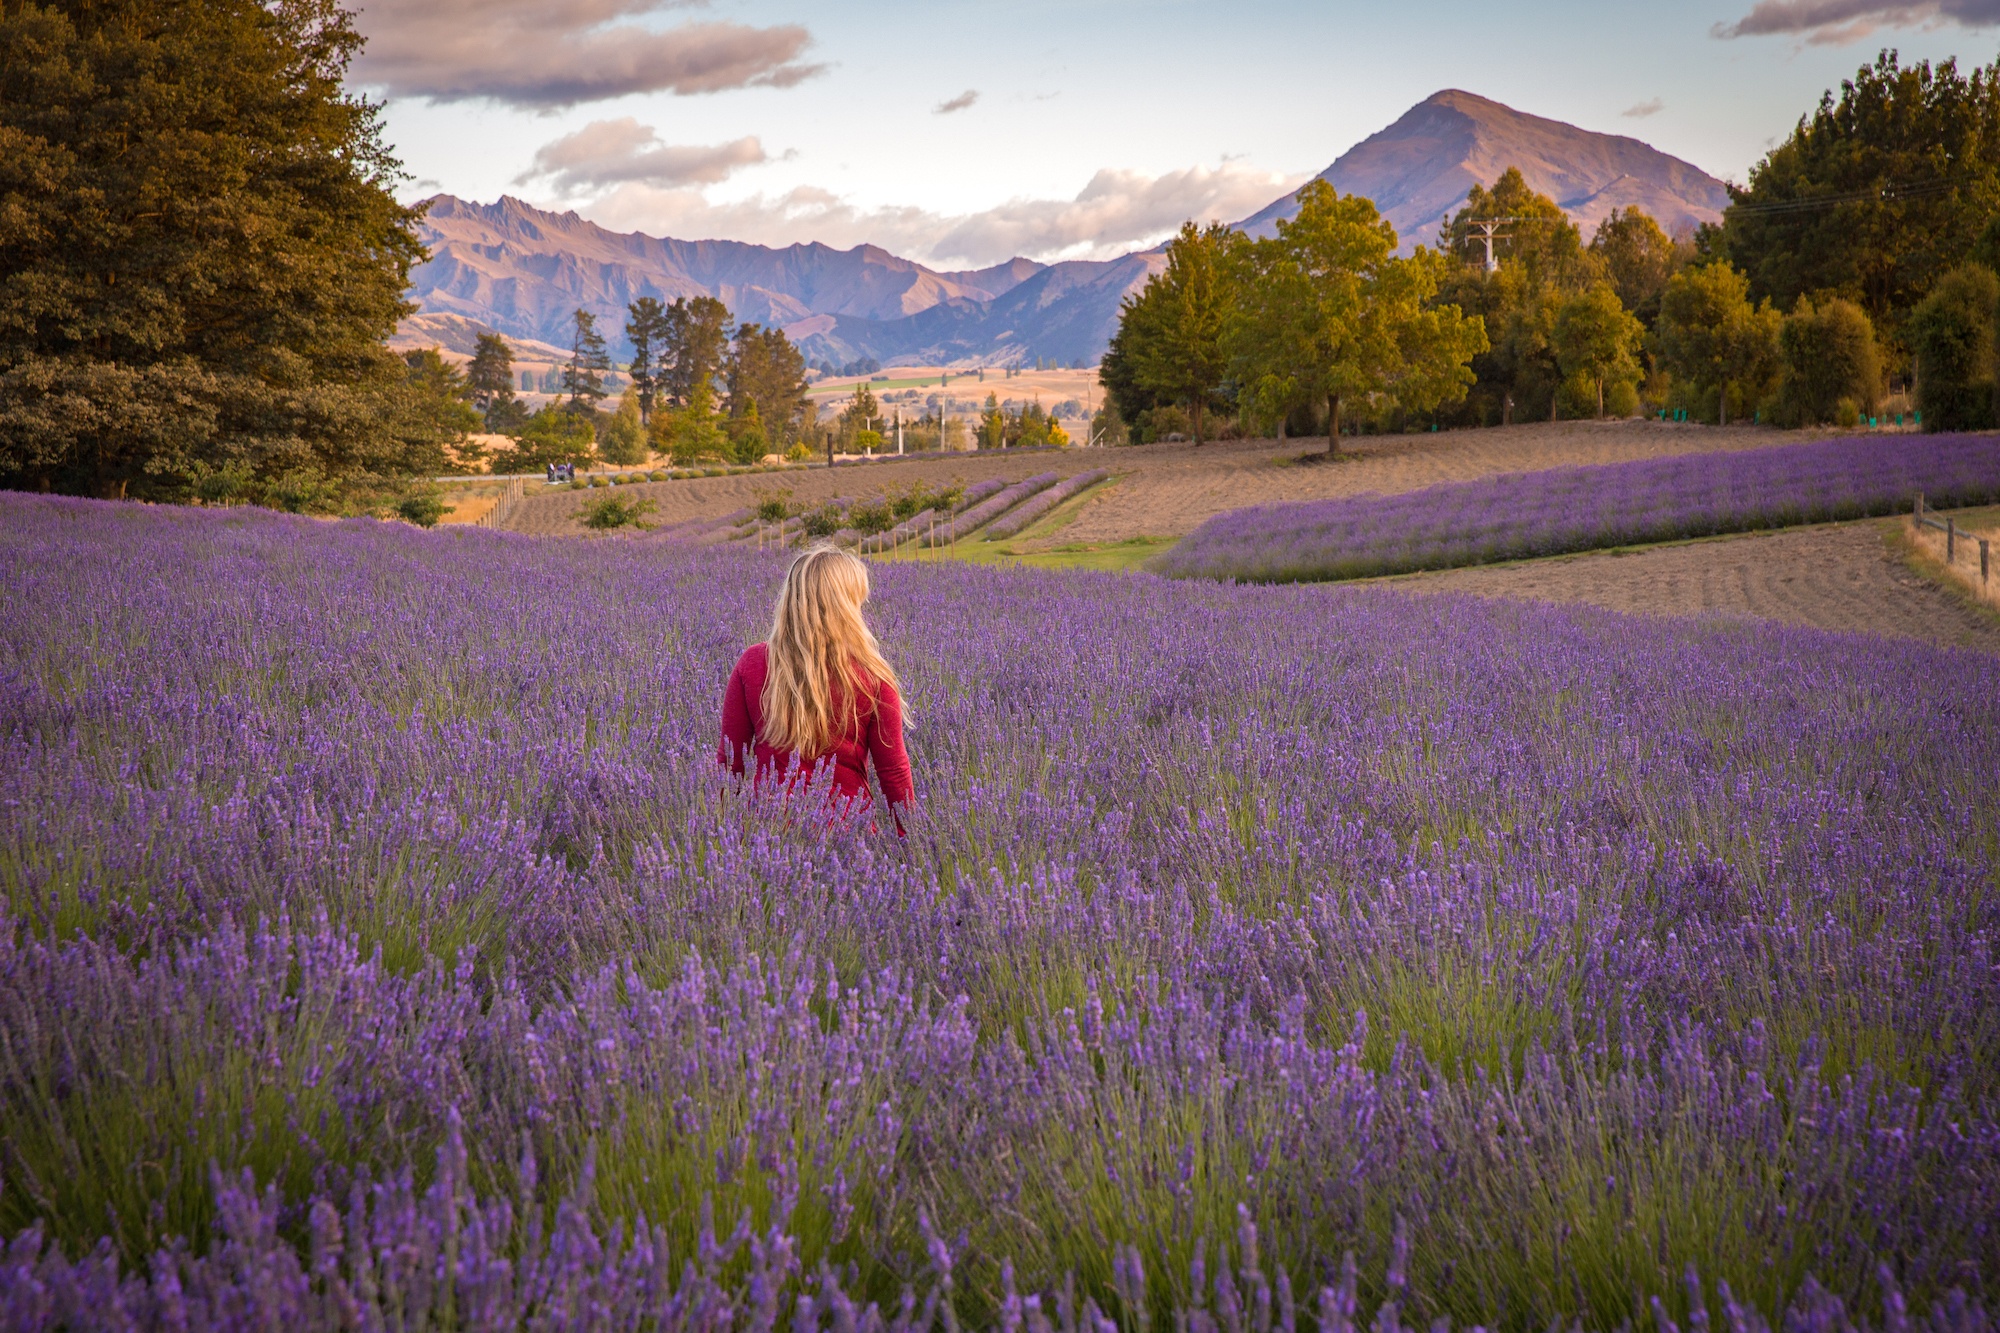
[[1950, 539], [1982, 560]]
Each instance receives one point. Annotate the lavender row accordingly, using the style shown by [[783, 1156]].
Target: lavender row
[[1035, 506], [1529, 514], [1556, 934], [906, 531], [977, 516]]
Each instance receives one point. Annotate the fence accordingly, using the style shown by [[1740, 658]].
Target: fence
[[504, 506], [1926, 518]]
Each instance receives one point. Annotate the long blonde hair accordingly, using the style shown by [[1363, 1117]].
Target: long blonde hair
[[819, 640]]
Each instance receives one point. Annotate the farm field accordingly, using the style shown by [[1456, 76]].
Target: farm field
[[1167, 490], [1556, 511], [384, 946], [1840, 576]]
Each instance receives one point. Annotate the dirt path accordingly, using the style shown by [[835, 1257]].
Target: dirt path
[[1167, 490], [1840, 576]]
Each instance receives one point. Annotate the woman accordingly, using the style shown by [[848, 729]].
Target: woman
[[818, 690]]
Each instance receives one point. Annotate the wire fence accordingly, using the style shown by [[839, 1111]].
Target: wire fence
[[509, 499], [1954, 538]]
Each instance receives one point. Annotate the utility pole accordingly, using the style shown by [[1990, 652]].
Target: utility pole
[[1488, 231]]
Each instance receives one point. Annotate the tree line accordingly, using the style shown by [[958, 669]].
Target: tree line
[[701, 388], [1861, 254]]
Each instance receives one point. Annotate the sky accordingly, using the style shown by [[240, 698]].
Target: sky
[[964, 132]]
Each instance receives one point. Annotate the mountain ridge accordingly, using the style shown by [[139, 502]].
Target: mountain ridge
[[520, 270]]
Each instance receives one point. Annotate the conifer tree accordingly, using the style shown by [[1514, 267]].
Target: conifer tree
[[646, 329], [201, 254], [583, 375]]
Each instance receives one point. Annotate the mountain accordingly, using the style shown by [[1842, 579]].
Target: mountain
[[1421, 167], [520, 271]]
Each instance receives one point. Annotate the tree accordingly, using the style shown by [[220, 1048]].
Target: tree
[[1139, 320], [1712, 337], [646, 330], [766, 375], [1637, 259], [1832, 366], [200, 251], [623, 442], [552, 435], [860, 414], [993, 424], [1877, 194], [1179, 357], [489, 379], [583, 375], [748, 440], [1326, 311], [1596, 340], [1540, 262], [688, 433], [436, 413], [1952, 340], [696, 334]]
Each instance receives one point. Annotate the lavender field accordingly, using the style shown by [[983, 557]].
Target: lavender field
[[384, 951], [1527, 514]]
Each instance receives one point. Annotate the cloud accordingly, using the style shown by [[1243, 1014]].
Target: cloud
[[958, 103], [1114, 213], [542, 54], [608, 153], [1645, 109], [1836, 22]]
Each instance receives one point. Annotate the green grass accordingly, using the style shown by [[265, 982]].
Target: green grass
[[1119, 557]]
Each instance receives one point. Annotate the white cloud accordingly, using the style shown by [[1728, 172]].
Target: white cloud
[[608, 153], [1836, 22], [958, 103], [542, 54], [1645, 109], [1116, 212]]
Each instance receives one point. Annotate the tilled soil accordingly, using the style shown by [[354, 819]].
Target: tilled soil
[[1166, 490], [1839, 576]]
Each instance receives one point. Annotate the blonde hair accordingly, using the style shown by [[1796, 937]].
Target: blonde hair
[[819, 640]]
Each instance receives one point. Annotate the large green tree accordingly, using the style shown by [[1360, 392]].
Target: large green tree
[[1325, 310], [1177, 353], [1597, 342], [1715, 341], [1952, 341], [200, 253], [693, 342], [765, 375], [1540, 262], [646, 330], [583, 374], [1876, 194]]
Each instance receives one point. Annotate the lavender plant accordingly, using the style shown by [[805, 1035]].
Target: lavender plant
[[383, 944], [1034, 507], [1526, 514]]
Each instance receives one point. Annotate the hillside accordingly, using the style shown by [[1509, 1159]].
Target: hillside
[[1420, 168], [520, 270]]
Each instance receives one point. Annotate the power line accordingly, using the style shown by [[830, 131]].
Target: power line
[[1889, 193]]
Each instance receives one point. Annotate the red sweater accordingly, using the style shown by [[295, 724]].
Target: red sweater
[[876, 732]]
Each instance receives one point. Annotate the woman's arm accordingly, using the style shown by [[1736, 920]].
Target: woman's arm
[[885, 747], [738, 735]]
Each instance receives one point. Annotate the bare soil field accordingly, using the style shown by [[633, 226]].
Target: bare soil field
[[1838, 576], [1166, 490]]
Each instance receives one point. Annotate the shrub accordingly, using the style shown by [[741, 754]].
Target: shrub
[[610, 512], [1951, 339], [1830, 358], [423, 509]]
